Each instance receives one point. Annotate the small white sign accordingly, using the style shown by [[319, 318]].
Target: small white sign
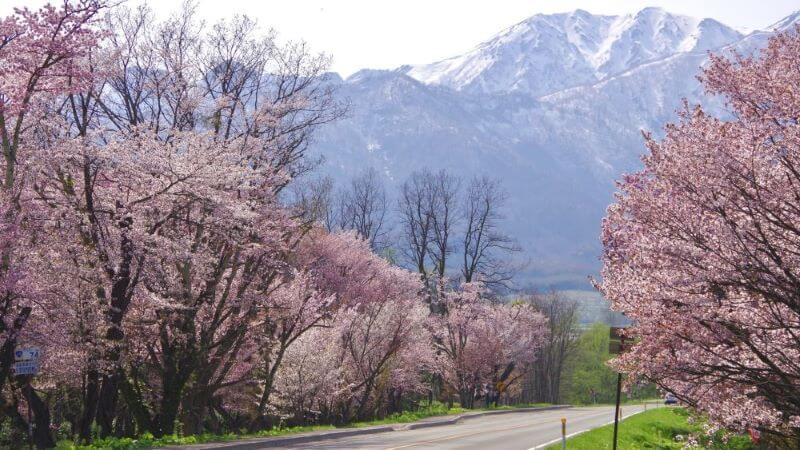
[[25, 368], [26, 354]]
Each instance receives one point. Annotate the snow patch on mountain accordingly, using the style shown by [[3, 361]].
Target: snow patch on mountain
[[546, 53]]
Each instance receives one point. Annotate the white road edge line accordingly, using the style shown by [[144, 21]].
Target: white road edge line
[[557, 440]]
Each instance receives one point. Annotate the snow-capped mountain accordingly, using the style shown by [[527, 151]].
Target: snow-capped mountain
[[553, 106], [546, 53]]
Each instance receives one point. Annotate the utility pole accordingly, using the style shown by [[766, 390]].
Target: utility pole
[[616, 345]]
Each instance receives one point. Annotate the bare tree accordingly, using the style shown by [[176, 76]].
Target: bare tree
[[362, 207], [432, 210], [544, 381], [429, 211], [231, 80], [486, 250], [313, 199], [416, 221], [445, 215]]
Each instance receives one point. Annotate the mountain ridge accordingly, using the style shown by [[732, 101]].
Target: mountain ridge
[[576, 48], [558, 150]]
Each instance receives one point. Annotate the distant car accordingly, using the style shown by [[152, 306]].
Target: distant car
[[670, 400]]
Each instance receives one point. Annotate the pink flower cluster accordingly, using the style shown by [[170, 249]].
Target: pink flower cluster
[[702, 248]]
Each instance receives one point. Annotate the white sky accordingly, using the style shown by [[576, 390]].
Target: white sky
[[385, 34]]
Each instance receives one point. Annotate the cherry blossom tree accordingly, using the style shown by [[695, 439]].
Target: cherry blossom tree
[[175, 231], [292, 310], [231, 79], [39, 53], [485, 347], [701, 248], [308, 384], [13, 314], [145, 247], [378, 329], [375, 336], [168, 166]]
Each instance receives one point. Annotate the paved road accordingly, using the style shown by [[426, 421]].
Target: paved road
[[523, 431]]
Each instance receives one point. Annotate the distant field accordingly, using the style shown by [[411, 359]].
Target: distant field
[[593, 307], [662, 428]]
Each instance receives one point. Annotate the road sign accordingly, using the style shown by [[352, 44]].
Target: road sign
[[26, 361], [25, 368], [27, 354], [617, 341]]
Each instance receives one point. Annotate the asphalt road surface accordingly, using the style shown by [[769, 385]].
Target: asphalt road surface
[[523, 431]]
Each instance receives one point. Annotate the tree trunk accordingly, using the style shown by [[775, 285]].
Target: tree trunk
[[169, 413], [466, 397], [42, 437], [135, 405], [172, 388], [107, 403], [195, 406], [89, 406], [362, 404]]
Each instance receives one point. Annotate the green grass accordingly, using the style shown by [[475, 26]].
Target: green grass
[[435, 411], [524, 405], [411, 416], [662, 428], [148, 441]]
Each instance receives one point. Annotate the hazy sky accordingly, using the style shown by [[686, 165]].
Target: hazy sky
[[389, 33]]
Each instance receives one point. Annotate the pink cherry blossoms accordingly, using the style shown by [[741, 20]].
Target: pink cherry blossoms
[[147, 250], [484, 347], [702, 248]]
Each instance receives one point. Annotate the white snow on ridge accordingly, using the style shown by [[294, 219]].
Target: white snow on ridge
[[548, 53]]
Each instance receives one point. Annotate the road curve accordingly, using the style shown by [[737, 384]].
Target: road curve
[[522, 431]]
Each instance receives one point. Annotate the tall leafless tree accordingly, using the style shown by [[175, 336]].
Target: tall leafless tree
[[362, 207], [313, 199], [173, 75], [445, 215], [545, 380], [416, 221], [486, 250], [429, 214]]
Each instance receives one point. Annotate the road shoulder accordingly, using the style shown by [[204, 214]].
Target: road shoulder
[[314, 436]]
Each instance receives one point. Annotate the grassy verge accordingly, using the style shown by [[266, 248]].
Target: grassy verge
[[662, 428], [148, 441], [413, 416]]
